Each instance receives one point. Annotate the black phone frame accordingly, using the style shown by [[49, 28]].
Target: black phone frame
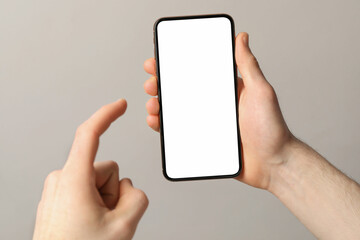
[[162, 141]]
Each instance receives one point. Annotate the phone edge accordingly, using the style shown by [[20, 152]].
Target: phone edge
[[156, 55]]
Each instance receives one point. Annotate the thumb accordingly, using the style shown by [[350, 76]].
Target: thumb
[[246, 61]]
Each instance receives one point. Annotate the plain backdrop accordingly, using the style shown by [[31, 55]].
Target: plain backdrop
[[61, 60]]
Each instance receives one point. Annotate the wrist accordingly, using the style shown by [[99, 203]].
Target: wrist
[[285, 175], [317, 193]]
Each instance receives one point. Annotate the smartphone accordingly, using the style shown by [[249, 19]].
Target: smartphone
[[197, 92]]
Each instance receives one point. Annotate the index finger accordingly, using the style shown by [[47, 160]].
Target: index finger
[[86, 142]]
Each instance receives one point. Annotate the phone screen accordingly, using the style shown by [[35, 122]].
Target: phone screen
[[197, 95]]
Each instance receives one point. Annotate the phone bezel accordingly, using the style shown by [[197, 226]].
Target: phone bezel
[[162, 141]]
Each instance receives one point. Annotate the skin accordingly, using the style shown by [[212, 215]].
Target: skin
[[86, 200], [322, 197], [263, 130]]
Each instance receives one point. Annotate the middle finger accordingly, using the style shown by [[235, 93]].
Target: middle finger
[[150, 86]]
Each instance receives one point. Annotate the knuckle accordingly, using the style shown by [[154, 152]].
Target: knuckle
[[269, 92], [114, 165], [141, 197], [52, 178], [105, 107], [85, 130], [80, 129]]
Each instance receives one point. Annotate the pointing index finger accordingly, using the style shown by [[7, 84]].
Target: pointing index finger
[[86, 142]]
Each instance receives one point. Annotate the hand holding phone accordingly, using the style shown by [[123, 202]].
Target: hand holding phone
[[264, 134]]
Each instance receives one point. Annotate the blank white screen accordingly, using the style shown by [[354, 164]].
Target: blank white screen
[[198, 97]]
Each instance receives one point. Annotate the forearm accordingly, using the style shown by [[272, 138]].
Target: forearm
[[322, 197]]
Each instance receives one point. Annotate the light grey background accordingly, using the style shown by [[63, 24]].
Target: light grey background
[[61, 60]]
